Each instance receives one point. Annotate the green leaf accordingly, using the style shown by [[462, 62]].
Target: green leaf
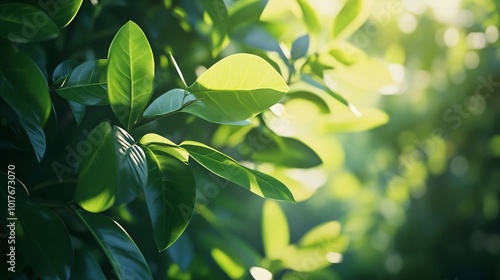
[[275, 231], [351, 17], [62, 12], [78, 111], [267, 146], [170, 191], [236, 88], [182, 252], [130, 74], [23, 23], [62, 71], [97, 180], [244, 12], [24, 88], [217, 11], [344, 121], [300, 47], [227, 168], [86, 84], [132, 167], [113, 172], [233, 269], [86, 267], [43, 241], [120, 250], [310, 18], [169, 102]]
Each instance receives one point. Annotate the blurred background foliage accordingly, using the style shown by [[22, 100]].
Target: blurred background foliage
[[409, 186]]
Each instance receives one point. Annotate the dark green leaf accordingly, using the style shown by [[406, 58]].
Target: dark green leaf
[[227, 168], [130, 74], [300, 47], [62, 71], [86, 267], [37, 138], [235, 89], [61, 12], [97, 181], [170, 191], [43, 241], [125, 258], [169, 102], [182, 252], [132, 168], [86, 84], [23, 23], [267, 146], [78, 111]]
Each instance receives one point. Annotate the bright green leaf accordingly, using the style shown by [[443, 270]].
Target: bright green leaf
[[120, 250], [97, 181], [227, 168], [321, 234], [310, 18], [86, 84], [351, 17], [218, 14], [130, 74], [170, 191], [267, 146], [244, 12], [233, 269], [169, 102], [236, 88], [275, 231], [23, 23]]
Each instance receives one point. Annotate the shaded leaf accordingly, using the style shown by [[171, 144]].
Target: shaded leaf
[[170, 191], [130, 74], [244, 12], [86, 84], [300, 47], [235, 89], [182, 252], [78, 111], [23, 23], [120, 250], [62, 71], [227, 168], [267, 146], [86, 267], [169, 102]]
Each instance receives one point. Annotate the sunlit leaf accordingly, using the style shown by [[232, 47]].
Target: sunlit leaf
[[130, 74], [125, 258], [231, 268], [86, 84], [170, 191], [344, 121], [97, 180], [227, 168], [275, 231], [310, 18], [352, 16], [169, 102], [235, 89], [219, 16], [15, 25]]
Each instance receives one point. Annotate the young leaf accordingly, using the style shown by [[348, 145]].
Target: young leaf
[[17, 24], [120, 250], [169, 102], [64, 13], [97, 181], [236, 88], [310, 18], [170, 191], [227, 168], [275, 231], [130, 74], [267, 146], [86, 84], [43, 240], [351, 17]]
